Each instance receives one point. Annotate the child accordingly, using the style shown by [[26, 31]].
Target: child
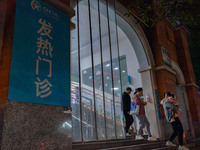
[[174, 101]]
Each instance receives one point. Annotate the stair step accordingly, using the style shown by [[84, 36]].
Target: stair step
[[138, 146], [114, 144], [165, 148]]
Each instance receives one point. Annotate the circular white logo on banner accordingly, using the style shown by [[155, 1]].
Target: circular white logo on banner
[[36, 5]]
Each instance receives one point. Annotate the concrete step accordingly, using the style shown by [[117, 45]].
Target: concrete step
[[165, 148], [118, 144], [146, 146]]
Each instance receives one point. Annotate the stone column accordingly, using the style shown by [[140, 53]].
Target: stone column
[[26, 126], [152, 108]]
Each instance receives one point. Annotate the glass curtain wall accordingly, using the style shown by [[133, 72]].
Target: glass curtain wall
[[75, 88], [98, 68], [86, 73], [115, 69], [95, 72]]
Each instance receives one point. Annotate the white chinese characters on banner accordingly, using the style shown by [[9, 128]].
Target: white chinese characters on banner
[[45, 29], [43, 88], [44, 51], [44, 47]]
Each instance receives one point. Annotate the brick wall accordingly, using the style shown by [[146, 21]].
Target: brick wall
[[175, 41], [184, 58], [2, 21], [6, 50], [6, 40]]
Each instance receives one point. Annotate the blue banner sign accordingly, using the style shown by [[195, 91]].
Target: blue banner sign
[[166, 56], [158, 105], [40, 65]]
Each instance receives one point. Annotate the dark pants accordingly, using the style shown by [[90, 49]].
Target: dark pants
[[177, 131], [129, 121]]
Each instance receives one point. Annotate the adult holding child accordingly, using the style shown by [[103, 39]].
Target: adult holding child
[[170, 108]]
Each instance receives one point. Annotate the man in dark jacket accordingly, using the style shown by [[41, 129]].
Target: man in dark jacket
[[126, 99]]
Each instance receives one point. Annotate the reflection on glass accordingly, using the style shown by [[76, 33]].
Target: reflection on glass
[[110, 121], [75, 98], [124, 75], [88, 117], [97, 70], [116, 70], [99, 83]]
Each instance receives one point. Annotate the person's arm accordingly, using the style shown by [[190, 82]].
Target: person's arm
[[138, 101], [172, 100], [128, 104], [162, 101], [125, 103]]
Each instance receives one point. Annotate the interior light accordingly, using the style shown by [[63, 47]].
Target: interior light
[[66, 123], [98, 72], [107, 65], [116, 68], [123, 71]]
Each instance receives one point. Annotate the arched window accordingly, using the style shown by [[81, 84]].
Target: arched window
[[104, 61]]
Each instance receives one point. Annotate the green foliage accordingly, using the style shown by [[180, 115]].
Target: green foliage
[[194, 46], [176, 11]]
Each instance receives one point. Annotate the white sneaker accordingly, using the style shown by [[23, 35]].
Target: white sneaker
[[169, 143], [139, 137], [128, 134], [151, 139], [183, 148]]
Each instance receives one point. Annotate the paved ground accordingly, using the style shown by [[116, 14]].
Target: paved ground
[[196, 148]]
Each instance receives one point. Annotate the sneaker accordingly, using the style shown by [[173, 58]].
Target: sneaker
[[151, 139], [129, 131], [169, 143], [139, 137], [183, 148], [128, 134]]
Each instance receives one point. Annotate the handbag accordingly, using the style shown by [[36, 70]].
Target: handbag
[[134, 108]]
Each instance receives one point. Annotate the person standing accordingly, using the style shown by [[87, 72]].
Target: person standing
[[126, 109], [172, 117], [141, 117]]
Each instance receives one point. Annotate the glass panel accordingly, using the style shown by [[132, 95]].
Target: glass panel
[[75, 98], [110, 123], [124, 75], [116, 71], [128, 60], [127, 45], [97, 70], [88, 116]]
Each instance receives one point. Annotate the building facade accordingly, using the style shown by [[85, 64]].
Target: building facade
[[109, 51]]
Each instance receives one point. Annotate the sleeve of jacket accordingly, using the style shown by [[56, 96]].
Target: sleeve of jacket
[[137, 101], [126, 104], [172, 100]]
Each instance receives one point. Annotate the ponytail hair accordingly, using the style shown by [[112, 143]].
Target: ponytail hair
[[138, 90]]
